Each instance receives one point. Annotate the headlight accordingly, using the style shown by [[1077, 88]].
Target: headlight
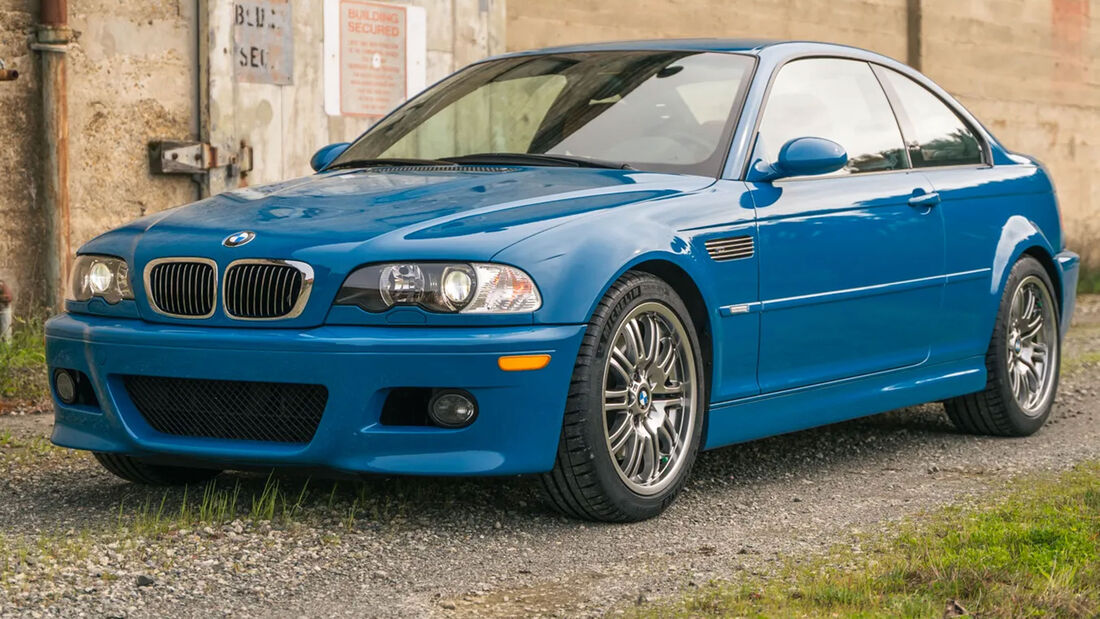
[[441, 287], [100, 276]]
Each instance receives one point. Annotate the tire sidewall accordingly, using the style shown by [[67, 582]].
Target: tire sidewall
[[621, 302], [1020, 422]]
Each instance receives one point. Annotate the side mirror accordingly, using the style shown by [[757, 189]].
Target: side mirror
[[811, 156], [322, 158], [802, 157]]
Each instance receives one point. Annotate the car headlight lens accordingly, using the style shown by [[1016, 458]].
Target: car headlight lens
[[105, 277], [441, 287]]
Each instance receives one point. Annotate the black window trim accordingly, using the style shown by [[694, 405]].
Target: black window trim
[[987, 153], [907, 127]]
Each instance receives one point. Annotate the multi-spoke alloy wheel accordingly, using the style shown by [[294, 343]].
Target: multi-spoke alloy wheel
[[1032, 339], [1022, 362], [649, 397], [636, 408]]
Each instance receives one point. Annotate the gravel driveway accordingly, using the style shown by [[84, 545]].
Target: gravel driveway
[[416, 547]]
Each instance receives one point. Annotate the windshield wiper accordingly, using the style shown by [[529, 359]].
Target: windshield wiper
[[538, 159], [394, 161]]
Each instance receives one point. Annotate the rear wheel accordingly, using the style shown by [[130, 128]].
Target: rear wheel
[[634, 416], [1022, 362], [140, 472]]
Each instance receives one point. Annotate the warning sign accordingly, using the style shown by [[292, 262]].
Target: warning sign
[[372, 56], [263, 42]]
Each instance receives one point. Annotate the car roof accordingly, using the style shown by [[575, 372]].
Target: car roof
[[750, 46]]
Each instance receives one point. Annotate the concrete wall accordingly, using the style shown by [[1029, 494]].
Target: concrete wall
[[1030, 69], [19, 224], [131, 75]]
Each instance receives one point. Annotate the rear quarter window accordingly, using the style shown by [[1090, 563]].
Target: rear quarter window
[[935, 134]]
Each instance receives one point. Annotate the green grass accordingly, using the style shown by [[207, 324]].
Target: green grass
[[1088, 281], [1033, 552], [23, 362]]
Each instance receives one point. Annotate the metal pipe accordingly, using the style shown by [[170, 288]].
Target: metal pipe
[[914, 18], [54, 13], [53, 38]]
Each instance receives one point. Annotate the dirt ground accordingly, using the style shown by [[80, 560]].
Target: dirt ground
[[415, 547]]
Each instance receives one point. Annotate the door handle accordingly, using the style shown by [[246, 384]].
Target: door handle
[[925, 200]]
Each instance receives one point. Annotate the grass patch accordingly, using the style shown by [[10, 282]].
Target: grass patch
[[217, 503], [1035, 552], [1088, 282], [23, 361]]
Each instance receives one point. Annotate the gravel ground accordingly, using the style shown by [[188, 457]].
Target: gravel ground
[[76, 545]]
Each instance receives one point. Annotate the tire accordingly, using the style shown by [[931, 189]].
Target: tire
[[998, 410], [657, 420], [139, 472]]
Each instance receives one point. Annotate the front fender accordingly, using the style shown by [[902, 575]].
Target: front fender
[[575, 264]]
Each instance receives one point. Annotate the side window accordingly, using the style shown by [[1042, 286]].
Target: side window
[[938, 137], [839, 100]]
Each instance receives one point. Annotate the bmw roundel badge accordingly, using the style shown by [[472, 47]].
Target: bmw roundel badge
[[239, 238]]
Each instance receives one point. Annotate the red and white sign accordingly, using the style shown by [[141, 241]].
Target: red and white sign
[[375, 56]]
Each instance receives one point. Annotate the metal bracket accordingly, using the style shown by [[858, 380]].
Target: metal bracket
[[7, 75], [176, 157]]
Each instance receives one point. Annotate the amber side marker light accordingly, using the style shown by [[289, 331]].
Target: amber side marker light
[[520, 363]]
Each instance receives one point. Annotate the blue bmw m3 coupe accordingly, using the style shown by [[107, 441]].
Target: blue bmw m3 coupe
[[586, 263]]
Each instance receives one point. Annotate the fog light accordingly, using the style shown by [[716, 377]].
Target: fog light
[[452, 409], [65, 385]]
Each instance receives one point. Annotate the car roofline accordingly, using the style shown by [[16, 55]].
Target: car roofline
[[717, 45]]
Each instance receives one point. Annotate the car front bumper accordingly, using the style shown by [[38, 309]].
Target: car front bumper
[[516, 431]]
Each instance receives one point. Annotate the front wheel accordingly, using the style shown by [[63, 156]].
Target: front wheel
[[634, 416], [1022, 362]]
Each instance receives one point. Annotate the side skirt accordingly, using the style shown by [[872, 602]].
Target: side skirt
[[770, 414]]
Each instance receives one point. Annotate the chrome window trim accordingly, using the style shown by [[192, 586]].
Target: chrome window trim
[[822, 177], [303, 297], [191, 259]]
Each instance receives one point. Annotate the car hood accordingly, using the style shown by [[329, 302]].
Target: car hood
[[472, 213], [339, 220]]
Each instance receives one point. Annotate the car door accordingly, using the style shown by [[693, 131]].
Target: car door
[[954, 159], [851, 263]]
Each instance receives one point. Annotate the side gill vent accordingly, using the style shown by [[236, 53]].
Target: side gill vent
[[730, 248]]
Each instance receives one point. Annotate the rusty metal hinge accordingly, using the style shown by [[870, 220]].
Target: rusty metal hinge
[[176, 157]]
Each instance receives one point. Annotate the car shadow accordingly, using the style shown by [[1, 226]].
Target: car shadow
[[101, 500]]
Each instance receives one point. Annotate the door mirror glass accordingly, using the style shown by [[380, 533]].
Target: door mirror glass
[[810, 156], [322, 158]]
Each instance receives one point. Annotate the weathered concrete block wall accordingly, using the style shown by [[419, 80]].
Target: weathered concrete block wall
[[874, 24], [1030, 69], [131, 78], [20, 228]]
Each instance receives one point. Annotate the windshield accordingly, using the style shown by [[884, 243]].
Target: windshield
[[658, 111]]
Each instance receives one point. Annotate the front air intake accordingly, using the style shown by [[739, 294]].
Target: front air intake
[[228, 409]]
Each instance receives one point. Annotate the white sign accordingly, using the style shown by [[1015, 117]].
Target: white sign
[[375, 56], [263, 42]]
